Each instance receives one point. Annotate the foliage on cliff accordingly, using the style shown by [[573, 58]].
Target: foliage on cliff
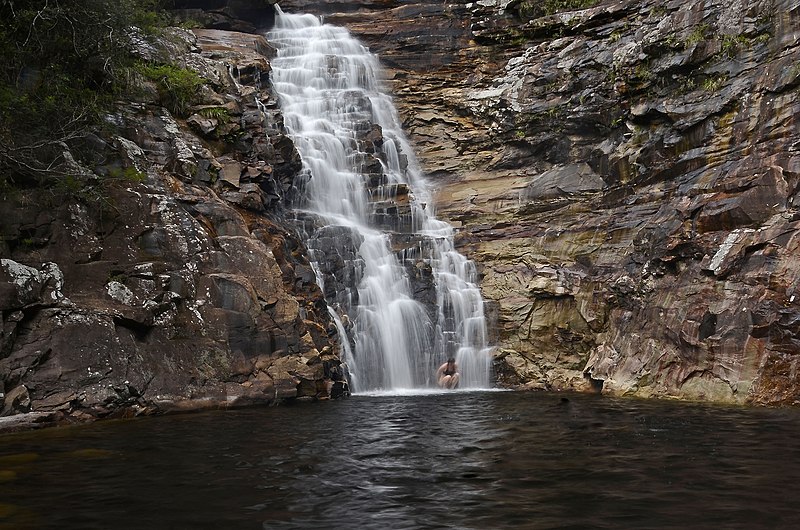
[[63, 60], [527, 10], [177, 87]]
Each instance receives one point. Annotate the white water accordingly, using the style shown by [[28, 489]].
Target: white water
[[329, 90]]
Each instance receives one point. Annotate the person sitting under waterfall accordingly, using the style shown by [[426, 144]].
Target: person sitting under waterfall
[[447, 375]]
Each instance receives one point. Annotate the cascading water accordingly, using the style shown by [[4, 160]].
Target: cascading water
[[365, 209]]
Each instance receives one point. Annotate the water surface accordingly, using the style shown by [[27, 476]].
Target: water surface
[[449, 460]]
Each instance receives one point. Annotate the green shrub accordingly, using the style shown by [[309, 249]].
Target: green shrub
[[714, 82], [218, 113], [699, 34], [129, 174], [63, 62], [731, 44], [177, 87]]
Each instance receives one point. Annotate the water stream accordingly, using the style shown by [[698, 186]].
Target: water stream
[[378, 250]]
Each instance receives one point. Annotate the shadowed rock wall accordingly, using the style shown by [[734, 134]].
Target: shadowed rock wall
[[230, 15], [187, 290], [626, 176]]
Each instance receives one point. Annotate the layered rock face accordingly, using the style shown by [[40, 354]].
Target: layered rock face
[[626, 176], [186, 290]]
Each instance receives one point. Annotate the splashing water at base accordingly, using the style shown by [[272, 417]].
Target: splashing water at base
[[366, 210]]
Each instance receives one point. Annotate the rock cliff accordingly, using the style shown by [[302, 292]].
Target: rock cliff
[[625, 175], [172, 281]]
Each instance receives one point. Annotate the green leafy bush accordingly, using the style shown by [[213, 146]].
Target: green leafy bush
[[218, 113], [63, 63], [177, 87], [699, 34]]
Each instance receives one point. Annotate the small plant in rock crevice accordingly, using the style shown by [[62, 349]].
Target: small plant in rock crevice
[[732, 44], [128, 174], [178, 88], [713, 83], [762, 38], [528, 10], [699, 34], [556, 6], [220, 114], [686, 84], [617, 121]]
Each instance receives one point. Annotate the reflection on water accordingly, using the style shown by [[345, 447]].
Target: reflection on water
[[449, 460]]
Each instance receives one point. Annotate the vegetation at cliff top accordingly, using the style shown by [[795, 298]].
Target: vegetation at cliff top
[[63, 63], [528, 9], [554, 6]]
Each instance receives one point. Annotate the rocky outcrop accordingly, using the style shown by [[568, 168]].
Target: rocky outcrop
[[171, 282], [230, 15], [625, 175]]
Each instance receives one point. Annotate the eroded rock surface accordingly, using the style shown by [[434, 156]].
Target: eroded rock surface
[[626, 176], [187, 290]]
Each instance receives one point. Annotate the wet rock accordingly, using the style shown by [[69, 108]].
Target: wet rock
[[624, 175], [22, 286], [176, 293], [16, 401], [230, 172], [564, 181]]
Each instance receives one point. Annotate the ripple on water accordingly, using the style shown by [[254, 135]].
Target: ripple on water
[[447, 460]]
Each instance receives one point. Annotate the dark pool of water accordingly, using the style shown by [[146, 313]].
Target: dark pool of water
[[457, 460]]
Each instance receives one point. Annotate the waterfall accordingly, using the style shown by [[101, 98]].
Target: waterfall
[[378, 251]]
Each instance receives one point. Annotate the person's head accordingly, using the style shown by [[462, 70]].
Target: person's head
[[451, 360]]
